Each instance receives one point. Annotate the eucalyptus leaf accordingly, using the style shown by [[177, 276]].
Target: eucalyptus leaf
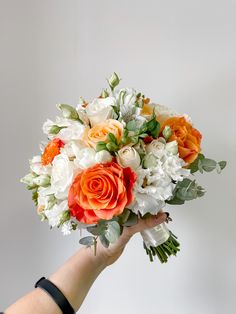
[[208, 165], [104, 241], [222, 164], [131, 125], [194, 165], [112, 232], [124, 216], [88, 241], [132, 220], [175, 201]]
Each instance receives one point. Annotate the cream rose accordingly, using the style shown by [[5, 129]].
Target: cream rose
[[128, 157], [157, 148], [100, 132], [99, 110]]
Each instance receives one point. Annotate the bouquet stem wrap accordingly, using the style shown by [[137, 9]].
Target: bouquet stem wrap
[[161, 242]]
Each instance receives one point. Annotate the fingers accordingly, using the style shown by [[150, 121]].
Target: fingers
[[147, 223]]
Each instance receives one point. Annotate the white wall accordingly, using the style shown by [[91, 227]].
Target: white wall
[[181, 53]]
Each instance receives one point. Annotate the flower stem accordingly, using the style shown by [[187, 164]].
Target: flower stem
[[163, 251]]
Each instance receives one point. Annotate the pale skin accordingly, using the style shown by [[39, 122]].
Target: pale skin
[[77, 275]]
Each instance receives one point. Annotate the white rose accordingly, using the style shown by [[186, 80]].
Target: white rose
[[85, 157], [54, 214], [100, 109], [103, 156], [128, 157], [62, 175], [157, 148]]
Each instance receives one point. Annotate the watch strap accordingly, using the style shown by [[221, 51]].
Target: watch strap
[[56, 295]]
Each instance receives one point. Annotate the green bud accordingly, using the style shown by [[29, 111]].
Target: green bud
[[104, 93], [64, 216], [149, 161], [29, 180], [167, 132], [55, 129], [113, 81], [68, 112], [42, 180], [81, 101]]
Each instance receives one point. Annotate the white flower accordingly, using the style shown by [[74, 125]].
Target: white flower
[[54, 214], [173, 167], [127, 156], [100, 109], [85, 157], [45, 198], [172, 147], [150, 161], [37, 167], [71, 148], [125, 99], [62, 175], [66, 227], [103, 156], [70, 129], [146, 204], [157, 148], [164, 111]]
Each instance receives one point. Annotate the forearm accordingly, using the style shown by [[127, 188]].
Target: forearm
[[74, 279]]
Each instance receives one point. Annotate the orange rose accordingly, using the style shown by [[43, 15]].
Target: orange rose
[[51, 151], [99, 132], [187, 137], [101, 192]]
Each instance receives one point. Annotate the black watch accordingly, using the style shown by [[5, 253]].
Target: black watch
[[55, 294]]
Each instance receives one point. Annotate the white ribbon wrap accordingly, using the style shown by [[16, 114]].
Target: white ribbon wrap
[[155, 236]]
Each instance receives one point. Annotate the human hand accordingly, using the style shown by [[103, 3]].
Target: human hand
[[111, 254]]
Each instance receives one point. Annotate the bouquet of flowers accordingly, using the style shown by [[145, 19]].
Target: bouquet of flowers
[[114, 160]]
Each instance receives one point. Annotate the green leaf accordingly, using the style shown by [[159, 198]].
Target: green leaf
[[112, 138], [101, 146], [175, 201], [132, 220], [124, 216], [188, 190], [222, 164], [88, 241], [153, 128], [113, 231], [131, 125], [99, 229], [208, 165], [35, 196], [112, 147], [104, 241], [194, 165]]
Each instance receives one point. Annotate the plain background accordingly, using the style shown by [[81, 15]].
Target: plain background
[[180, 53]]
